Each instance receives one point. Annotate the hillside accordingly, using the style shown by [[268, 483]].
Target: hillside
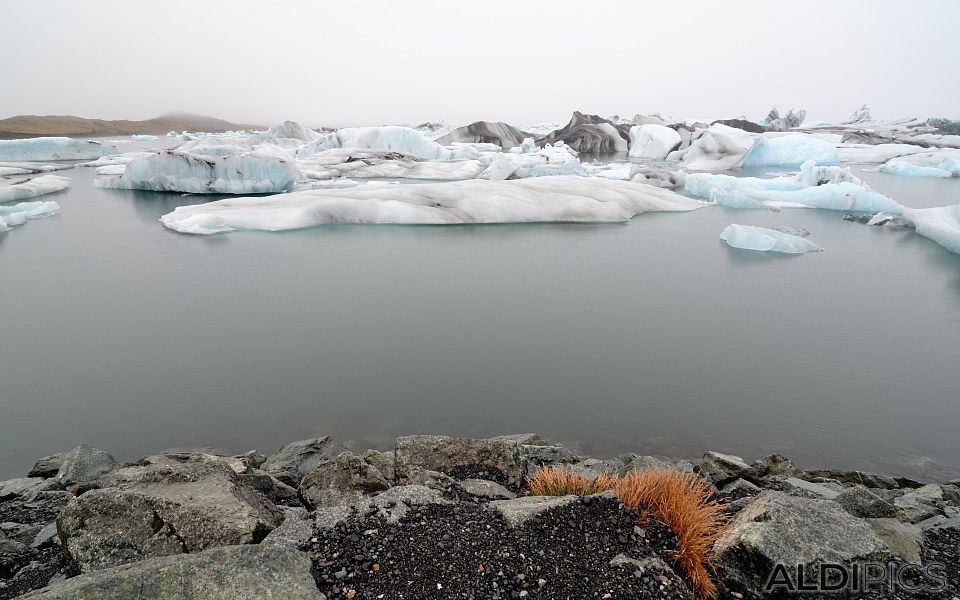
[[67, 125]]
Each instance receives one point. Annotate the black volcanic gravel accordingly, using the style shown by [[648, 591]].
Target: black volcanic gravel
[[468, 551]]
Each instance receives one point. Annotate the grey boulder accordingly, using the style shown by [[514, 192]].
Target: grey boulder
[[722, 468], [227, 573], [84, 464], [919, 504], [344, 480], [859, 501], [779, 529], [294, 461], [48, 466], [153, 511], [497, 458]]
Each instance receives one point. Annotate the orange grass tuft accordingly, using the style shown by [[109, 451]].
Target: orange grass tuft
[[549, 481], [683, 501]]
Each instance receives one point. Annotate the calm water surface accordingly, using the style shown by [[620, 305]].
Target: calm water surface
[[650, 336]]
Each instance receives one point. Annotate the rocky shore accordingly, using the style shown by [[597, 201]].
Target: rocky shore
[[441, 517]]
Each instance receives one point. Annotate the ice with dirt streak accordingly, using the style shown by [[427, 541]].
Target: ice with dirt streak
[[652, 141], [547, 199], [19, 188]]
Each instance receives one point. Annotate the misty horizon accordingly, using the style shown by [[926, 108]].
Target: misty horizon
[[425, 61]]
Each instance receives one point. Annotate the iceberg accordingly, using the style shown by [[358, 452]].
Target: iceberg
[[547, 199], [20, 189], [29, 168], [653, 141], [501, 134], [365, 164], [749, 237], [268, 169], [392, 137], [53, 148], [717, 148], [938, 163], [792, 120], [18, 214], [143, 138], [790, 151], [940, 224], [827, 187], [591, 134], [874, 153]]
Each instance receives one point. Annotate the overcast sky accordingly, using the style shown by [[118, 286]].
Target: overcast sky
[[408, 61]]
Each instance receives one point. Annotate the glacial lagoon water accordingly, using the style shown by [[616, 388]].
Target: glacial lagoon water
[[648, 337]]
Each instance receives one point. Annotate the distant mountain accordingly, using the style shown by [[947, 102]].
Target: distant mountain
[[67, 125]]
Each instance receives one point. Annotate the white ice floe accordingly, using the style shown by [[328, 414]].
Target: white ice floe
[[366, 164], [749, 237], [53, 148], [22, 188], [143, 137], [117, 159], [394, 138], [937, 163], [941, 224], [874, 153], [18, 214], [267, 169], [772, 150], [829, 187], [716, 148], [548, 199], [29, 168], [652, 141]]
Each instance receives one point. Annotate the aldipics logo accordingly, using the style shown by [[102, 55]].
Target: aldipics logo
[[857, 577]]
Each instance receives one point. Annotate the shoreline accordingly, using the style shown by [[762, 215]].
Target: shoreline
[[85, 524]]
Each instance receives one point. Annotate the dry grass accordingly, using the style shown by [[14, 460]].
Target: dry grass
[[683, 501], [549, 481]]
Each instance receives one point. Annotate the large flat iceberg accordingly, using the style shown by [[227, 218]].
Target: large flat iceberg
[[832, 188], [20, 189], [268, 169], [940, 224], [53, 148], [792, 150], [749, 237], [547, 199], [18, 214]]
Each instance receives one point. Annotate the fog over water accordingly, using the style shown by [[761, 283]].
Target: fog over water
[[349, 63]]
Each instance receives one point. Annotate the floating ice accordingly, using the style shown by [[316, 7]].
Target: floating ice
[[527, 146], [501, 134], [393, 138], [117, 159], [143, 138], [874, 153], [53, 148], [717, 148], [548, 199], [20, 189], [350, 162], [830, 187], [749, 237], [18, 214], [790, 151], [653, 141], [29, 168], [268, 169], [941, 224], [938, 163]]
